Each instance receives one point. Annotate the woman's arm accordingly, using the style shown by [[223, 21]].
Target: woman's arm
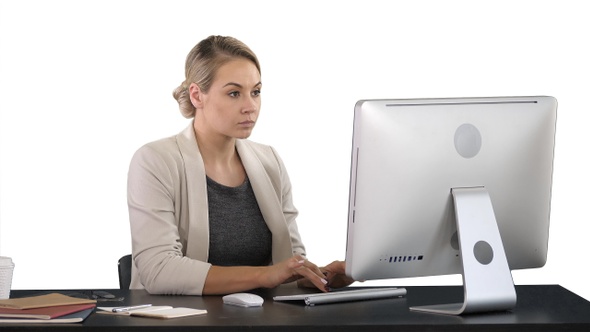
[[231, 279], [154, 191]]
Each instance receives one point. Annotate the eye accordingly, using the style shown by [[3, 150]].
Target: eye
[[256, 93], [234, 94]]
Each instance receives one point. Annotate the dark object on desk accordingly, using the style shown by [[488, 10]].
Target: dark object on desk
[[99, 294], [124, 268]]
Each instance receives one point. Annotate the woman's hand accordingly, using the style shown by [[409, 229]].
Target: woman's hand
[[292, 269], [335, 273]]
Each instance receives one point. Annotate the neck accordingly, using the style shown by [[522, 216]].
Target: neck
[[216, 149], [222, 162]]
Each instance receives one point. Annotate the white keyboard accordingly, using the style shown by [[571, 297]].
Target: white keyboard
[[344, 295]]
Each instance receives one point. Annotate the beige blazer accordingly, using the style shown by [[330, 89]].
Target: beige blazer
[[168, 213]]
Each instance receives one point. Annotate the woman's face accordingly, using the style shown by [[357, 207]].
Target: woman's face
[[230, 108]]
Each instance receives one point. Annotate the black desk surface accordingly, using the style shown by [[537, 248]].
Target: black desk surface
[[539, 308]]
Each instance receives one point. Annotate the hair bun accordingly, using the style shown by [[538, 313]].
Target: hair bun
[[184, 102]]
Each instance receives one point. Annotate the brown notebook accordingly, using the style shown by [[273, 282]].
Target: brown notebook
[[41, 301], [45, 312]]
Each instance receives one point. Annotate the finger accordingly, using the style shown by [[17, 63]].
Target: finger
[[311, 266], [303, 262], [309, 271], [318, 281], [296, 261]]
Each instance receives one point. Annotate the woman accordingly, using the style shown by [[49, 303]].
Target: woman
[[212, 212]]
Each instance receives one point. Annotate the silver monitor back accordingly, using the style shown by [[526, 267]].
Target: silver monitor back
[[407, 155]]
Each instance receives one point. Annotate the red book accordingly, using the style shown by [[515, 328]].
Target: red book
[[45, 312]]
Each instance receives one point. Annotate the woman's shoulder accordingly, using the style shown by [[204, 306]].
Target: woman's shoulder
[[170, 146], [163, 145], [164, 151]]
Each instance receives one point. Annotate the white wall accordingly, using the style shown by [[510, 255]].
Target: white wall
[[84, 83]]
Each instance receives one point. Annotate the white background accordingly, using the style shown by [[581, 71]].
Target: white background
[[83, 84]]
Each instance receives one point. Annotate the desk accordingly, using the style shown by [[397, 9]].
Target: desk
[[539, 308]]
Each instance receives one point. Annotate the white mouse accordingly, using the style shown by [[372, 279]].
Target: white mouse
[[243, 300]]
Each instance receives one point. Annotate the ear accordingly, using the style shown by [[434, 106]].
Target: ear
[[196, 95]]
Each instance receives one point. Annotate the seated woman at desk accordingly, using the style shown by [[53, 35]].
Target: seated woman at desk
[[211, 212]]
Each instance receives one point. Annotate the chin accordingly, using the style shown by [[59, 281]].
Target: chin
[[243, 135]]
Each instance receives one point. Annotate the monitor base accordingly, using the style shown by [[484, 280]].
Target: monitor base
[[487, 281]]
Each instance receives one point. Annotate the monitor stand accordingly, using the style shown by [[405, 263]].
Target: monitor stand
[[487, 281]]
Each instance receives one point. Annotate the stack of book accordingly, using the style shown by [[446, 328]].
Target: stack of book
[[43, 309]]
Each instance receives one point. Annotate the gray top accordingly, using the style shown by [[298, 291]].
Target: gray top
[[238, 234]]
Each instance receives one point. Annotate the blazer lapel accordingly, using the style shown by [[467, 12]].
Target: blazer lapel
[[196, 187], [267, 197]]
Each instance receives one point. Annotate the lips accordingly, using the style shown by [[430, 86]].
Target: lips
[[247, 123]]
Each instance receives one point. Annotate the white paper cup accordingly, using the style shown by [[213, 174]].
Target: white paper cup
[[6, 270]]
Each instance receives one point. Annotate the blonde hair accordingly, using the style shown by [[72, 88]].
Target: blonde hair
[[202, 64]]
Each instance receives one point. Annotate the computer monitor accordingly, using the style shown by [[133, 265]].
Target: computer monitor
[[451, 186]]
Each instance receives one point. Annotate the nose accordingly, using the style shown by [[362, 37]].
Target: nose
[[251, 105]]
